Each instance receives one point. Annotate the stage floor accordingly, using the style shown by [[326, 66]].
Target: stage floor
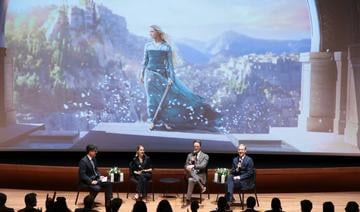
[[290, 201], [126, 136]]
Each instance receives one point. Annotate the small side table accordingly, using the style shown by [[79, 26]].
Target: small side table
[[219, 183]]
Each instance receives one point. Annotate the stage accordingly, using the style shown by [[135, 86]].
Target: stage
[[289, 201], [124, 137]]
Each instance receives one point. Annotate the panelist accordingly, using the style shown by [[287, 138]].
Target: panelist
[[242, 173], [90, 176], [141, 172], [195, 166]]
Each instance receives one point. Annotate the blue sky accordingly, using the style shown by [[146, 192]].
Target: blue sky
[[205, 19]]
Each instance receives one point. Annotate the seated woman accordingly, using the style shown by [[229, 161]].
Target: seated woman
[[140, 171]]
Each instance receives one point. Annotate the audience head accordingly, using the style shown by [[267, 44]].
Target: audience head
[[250, 202], [91, 150], [115, 204], [88, 202], [328, 207], [276, 204], [197, 145], [194, 206], [60, 205], [3, 199], [221, 203], [164, 206], [306, 205], [241, 150], [139, 206], [30, 200], [352, 206]]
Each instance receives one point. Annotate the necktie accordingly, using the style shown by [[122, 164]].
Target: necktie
[[93, 166]]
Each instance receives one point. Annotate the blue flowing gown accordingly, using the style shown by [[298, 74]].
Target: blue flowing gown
[[182, 109]]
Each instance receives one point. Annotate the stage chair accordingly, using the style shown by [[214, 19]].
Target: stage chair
[[251, 189]]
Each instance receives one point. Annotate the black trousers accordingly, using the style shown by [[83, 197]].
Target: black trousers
[[95, 189], [141, 183]]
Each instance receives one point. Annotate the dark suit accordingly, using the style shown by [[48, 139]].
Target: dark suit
[[6, 209], [29, 209], [198, 173], [88, 173], [85, 210], [243, 168], [142, 179]]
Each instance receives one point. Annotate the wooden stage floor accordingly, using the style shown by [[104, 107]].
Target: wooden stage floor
[[290, 201]]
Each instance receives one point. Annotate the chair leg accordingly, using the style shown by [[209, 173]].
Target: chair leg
[[200, 197], [77, 197], [152, 190], [257, 200], [242, 200], [240, 197], [128, 190]]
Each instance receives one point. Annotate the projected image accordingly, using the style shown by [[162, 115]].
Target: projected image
[[93, 66]]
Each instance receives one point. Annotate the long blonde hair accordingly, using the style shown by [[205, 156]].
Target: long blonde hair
[[165, 38], [162, 34]]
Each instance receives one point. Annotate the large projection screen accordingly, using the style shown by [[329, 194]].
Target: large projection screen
[[76, 69]]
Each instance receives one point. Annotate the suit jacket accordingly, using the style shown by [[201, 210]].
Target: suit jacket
[[200, 164], [6, 209], [29, 209], [246, 171], [135, 165], [86, 171], [85, 210]]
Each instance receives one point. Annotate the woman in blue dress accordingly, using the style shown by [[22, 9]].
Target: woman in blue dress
[[181, 108]]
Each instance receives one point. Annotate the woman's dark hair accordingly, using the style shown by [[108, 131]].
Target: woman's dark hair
[[139, 206], [164, 206], [137, 149], [276, 204]]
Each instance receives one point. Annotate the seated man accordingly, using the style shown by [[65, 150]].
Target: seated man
[[195, 166], [242, 173], [90, 176]]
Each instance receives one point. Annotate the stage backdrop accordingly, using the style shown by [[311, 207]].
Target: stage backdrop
[[76, 66]]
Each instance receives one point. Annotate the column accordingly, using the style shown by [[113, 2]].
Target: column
[[352, 128], [318, 83], [341, 91]]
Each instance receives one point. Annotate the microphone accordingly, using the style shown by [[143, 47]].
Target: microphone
[[239, 165]]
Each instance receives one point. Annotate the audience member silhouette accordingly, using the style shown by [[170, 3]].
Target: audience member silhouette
[[352, 206], [222, 205], [30, 203], [88, 205], [164, 206], [275, 205], [60, 205], [328, 207], [194, 206], [139, 206], [250, 204], [115, 204], [306, 205], [3, 208], [49, 204]]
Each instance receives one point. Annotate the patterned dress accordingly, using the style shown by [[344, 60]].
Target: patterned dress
[[182, 109]]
